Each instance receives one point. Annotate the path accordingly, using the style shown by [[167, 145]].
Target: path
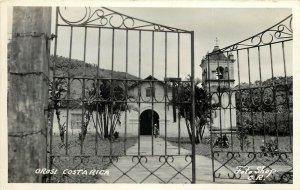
[[139, 171]]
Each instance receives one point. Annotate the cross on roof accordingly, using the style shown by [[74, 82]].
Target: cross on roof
[[216, 40]]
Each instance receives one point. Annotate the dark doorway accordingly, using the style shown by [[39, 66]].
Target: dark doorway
[[146, 121]]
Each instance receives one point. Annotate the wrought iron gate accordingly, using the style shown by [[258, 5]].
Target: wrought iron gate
[[251, 133], [90, 101]]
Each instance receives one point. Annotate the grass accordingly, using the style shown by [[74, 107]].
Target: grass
[[93, 156], [243, 156]]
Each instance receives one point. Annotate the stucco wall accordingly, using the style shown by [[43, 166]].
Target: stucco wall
[[165, 113], [224, 117]]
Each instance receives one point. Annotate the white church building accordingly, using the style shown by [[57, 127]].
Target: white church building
[[160, 112]]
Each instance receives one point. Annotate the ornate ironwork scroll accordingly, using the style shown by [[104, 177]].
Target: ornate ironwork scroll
[[105, 17], [282, 31], [91, 106], [251, 137]]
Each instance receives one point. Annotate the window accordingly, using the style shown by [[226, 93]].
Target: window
[[226, 74], [204, 74], [220, 73], [149, 90]]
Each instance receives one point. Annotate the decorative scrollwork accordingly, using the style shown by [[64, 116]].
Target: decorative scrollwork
[[104, 17], [255, 162], [110, 159], [282, 31]]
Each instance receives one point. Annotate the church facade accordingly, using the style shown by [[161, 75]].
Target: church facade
[[159, 113], [155, 109]]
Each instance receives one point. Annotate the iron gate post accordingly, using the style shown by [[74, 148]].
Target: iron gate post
[[193, 109]]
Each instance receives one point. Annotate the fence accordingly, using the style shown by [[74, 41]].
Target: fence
[[251, 128], [136, 73]]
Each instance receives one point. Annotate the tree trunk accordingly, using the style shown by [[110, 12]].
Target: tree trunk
[[202, 129], [101, 125], [105, 127], [60, 127], [197, 140], [83, 133], [189, 130]]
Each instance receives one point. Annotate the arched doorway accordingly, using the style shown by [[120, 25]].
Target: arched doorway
[[146, 121]]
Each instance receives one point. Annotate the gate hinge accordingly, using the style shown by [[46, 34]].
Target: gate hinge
[[52, 36], [29, 34], [35, 34]]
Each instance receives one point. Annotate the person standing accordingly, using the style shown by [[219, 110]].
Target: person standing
[[156, 130]]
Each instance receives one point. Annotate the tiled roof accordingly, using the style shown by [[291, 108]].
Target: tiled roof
[[147, 79], [217, 56]]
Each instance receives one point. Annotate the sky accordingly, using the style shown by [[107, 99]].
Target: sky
[[229, 25]]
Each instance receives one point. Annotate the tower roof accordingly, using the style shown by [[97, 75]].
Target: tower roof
[[216, 55]]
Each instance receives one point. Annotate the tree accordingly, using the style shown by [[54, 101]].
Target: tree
[[202, 108], [269, 95], [109, 111], [108, 99], [266, 107], [55, 102]]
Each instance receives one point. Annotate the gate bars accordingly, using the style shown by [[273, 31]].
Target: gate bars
[[84, 94], [262, 101]]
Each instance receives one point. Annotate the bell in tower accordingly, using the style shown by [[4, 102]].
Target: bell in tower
[[219, 73], [218, 80]]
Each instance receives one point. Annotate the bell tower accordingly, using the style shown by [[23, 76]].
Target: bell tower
[[220, 71], [218, 79]]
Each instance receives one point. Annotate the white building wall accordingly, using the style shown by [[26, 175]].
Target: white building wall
[[166, 121], [224, 117], [72, 126], [165, 113]]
